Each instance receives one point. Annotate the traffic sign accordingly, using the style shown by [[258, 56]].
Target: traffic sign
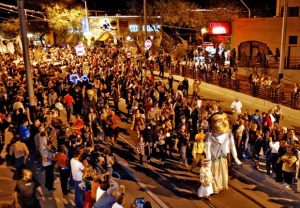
[[80, 51], [148, 44]]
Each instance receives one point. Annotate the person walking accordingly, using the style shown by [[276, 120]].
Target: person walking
[[47, 163], [198, 151], [25, 192], [183, 140], [21, 153], [273, 156], [77, 172], [236, 107], [25, 133], [141, 150], [206, 180], [69, 101], [64, 169]]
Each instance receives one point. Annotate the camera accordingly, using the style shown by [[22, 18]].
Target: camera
[[139, 202]]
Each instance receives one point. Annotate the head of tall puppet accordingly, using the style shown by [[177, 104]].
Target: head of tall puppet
[[219, 123]]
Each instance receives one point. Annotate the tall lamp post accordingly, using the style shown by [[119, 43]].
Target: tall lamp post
[[145, 18], [23, 30], [283, 40], [88, 33]]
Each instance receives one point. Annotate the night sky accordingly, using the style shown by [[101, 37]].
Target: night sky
[[111, 7]]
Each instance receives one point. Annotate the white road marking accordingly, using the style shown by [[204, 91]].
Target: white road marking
[[127, 142]]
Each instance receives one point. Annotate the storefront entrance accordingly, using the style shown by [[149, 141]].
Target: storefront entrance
[[248, 52]]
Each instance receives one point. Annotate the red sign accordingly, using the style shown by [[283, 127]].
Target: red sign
[[219, 28]]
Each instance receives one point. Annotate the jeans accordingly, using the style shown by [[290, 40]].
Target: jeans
[[79, 195], [183, 149], [69, 110], [288, 177], [162, 153], [64, 174], [271, 160], [20, 165], [149, 150], [49, 176]]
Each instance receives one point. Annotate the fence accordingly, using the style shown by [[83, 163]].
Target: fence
[[239, 84]]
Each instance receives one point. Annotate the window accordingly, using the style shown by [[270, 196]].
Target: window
[[292, 12], [293, 39]]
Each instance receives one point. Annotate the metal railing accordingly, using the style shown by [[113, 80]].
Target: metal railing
[[240, 84]]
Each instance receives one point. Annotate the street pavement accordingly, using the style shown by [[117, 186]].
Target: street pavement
[[172, 184]]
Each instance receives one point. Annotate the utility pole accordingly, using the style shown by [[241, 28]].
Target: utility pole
[[23, 29], [145, 19], [283, 40]]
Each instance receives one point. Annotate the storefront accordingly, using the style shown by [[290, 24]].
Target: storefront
[[254, 36], [129, 30]]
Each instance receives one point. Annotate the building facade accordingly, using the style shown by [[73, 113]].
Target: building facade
[[252, 36], [129, 30]]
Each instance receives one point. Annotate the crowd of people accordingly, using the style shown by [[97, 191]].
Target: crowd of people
[[261, 133], [166, 121]]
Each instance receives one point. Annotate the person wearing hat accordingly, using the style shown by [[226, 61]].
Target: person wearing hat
[[206, 180], [198, 151]]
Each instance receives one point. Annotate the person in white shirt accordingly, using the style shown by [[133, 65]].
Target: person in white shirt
[[42, 141], [76, 170], [273, 156], [48, 167], [236, 107], [239, 135]]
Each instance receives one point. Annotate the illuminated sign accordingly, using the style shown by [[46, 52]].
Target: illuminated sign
[[150, 28], [219, 28], [133, 28]]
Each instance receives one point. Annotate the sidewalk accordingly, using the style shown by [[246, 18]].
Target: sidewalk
[[290, 75], [226, 97]]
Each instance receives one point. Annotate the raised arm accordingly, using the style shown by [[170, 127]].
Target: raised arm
[[233, 150]]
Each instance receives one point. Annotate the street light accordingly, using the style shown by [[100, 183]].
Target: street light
[[29, 36], [283, 40], [203, 30], [23, 28], [145, 18], [86, 15], [87, 34]]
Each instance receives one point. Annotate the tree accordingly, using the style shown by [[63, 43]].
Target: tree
[[182, 19], [65, 22], [10, 28]]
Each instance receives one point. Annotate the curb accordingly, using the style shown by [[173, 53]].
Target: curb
[[128, 170], [276, 187]]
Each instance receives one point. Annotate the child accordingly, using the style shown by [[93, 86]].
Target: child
[[206, 180], [141, 149]]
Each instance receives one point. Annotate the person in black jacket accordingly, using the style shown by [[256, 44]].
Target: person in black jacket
[[183, 140], [185, 86]]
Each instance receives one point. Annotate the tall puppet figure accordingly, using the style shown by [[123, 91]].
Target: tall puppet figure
[[219, 144]]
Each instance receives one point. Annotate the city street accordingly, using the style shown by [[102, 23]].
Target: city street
[[160, 183], [149, 104]]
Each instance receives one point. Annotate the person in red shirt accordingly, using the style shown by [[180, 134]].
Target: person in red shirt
[[69, 101], [115, 126], [64, 168], [270, 119]]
